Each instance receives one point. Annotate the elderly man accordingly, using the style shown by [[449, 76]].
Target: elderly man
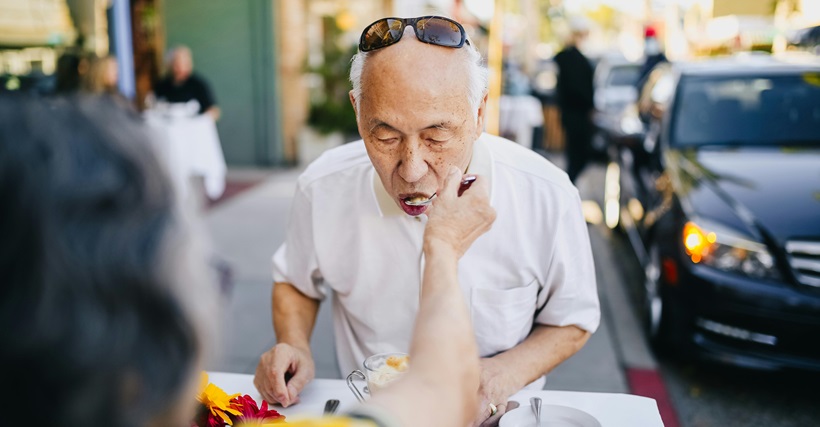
[[359, 214], [183, 85]]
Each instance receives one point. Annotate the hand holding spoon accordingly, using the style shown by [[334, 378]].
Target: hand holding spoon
[[465, 184]]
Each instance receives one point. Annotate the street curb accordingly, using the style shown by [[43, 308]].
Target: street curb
[[649, 383], [637, 360]]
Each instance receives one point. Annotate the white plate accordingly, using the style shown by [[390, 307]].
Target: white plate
[[551, 416]]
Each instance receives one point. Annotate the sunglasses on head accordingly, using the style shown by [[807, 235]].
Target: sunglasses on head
[[436, 30]]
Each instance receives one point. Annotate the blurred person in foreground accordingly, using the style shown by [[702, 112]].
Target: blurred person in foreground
[[575, 98], [97, 316], [181, 84], [420, 93]]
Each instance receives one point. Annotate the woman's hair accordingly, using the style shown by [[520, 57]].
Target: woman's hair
[[93, 328]]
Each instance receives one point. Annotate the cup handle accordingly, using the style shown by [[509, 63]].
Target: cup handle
[[352, 386]]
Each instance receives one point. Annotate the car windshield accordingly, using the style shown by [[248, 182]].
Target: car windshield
[[753, 110], [623, 75]]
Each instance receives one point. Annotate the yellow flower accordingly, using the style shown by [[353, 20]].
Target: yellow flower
[[216, 400]]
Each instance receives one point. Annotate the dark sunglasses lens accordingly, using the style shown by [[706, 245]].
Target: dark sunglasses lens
[[440, 31], [380, 34]]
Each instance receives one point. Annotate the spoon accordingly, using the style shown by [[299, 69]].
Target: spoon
[[535, 403], [465, 184]]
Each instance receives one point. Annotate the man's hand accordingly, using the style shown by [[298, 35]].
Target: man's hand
[[283, 372], [495, 388], [495, 419], [458, 221]]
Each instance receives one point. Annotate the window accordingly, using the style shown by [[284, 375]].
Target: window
[[754, 110]]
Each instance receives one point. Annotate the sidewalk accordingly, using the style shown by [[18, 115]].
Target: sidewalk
[[247, 229]]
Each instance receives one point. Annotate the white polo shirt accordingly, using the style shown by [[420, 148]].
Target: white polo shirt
[[346, 234]]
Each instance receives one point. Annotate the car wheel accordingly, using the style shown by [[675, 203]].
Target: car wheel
[[656, 318]]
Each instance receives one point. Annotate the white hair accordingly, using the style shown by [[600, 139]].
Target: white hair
[[476, 80], [174, 51]]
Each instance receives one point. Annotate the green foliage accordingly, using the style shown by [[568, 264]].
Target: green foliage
[[331, 116], [330, 108]]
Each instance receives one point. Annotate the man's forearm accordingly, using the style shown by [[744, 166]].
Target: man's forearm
[[544, 349], [294, 315]]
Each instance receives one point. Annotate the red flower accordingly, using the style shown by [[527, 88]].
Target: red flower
[[214, 421], [251, 412]]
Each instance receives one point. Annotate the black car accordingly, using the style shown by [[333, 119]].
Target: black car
[[721, 201]]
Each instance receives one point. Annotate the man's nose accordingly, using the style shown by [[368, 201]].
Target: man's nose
[[413, 166]]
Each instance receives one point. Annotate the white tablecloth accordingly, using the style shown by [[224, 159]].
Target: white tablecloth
[[611, 409], [189, 146]]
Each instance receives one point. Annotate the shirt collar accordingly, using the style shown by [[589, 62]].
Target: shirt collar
[[481, 164]]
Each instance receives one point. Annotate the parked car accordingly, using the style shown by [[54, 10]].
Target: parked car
[[721, 202], [615, 80], [544, 80], [615, 91]]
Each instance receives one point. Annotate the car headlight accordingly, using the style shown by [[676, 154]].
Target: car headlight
[[719, 247]]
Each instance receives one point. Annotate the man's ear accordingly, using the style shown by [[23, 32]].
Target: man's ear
[[481, 114], [353, 102]]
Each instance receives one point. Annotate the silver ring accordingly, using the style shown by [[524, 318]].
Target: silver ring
[[493, 409]]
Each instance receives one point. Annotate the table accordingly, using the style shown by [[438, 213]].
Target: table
[[189, 146], [611, 409]]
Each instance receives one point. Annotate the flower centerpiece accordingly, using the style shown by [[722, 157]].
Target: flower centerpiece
[[220, 409]]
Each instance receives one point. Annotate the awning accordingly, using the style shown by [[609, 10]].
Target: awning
[[35, 23]]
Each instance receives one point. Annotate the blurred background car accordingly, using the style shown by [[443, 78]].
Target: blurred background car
[[615, 80], [544, 79], [721, 203], [615, 90]]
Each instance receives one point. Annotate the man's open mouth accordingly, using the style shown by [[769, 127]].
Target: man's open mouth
[[418, 200], [414, 204]]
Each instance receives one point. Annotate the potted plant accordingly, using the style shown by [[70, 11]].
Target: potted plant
[[331, 120]]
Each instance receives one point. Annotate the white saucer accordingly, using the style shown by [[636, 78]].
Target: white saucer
[[551, 416]]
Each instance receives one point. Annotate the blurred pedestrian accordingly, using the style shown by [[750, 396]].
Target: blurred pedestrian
[[71, 66], [653, 55], [575, 98], [102, 79], [182, 85], [102, 76]]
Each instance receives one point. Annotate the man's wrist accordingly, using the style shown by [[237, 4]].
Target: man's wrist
[[512, 379], [435, 246], [299, 344]]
